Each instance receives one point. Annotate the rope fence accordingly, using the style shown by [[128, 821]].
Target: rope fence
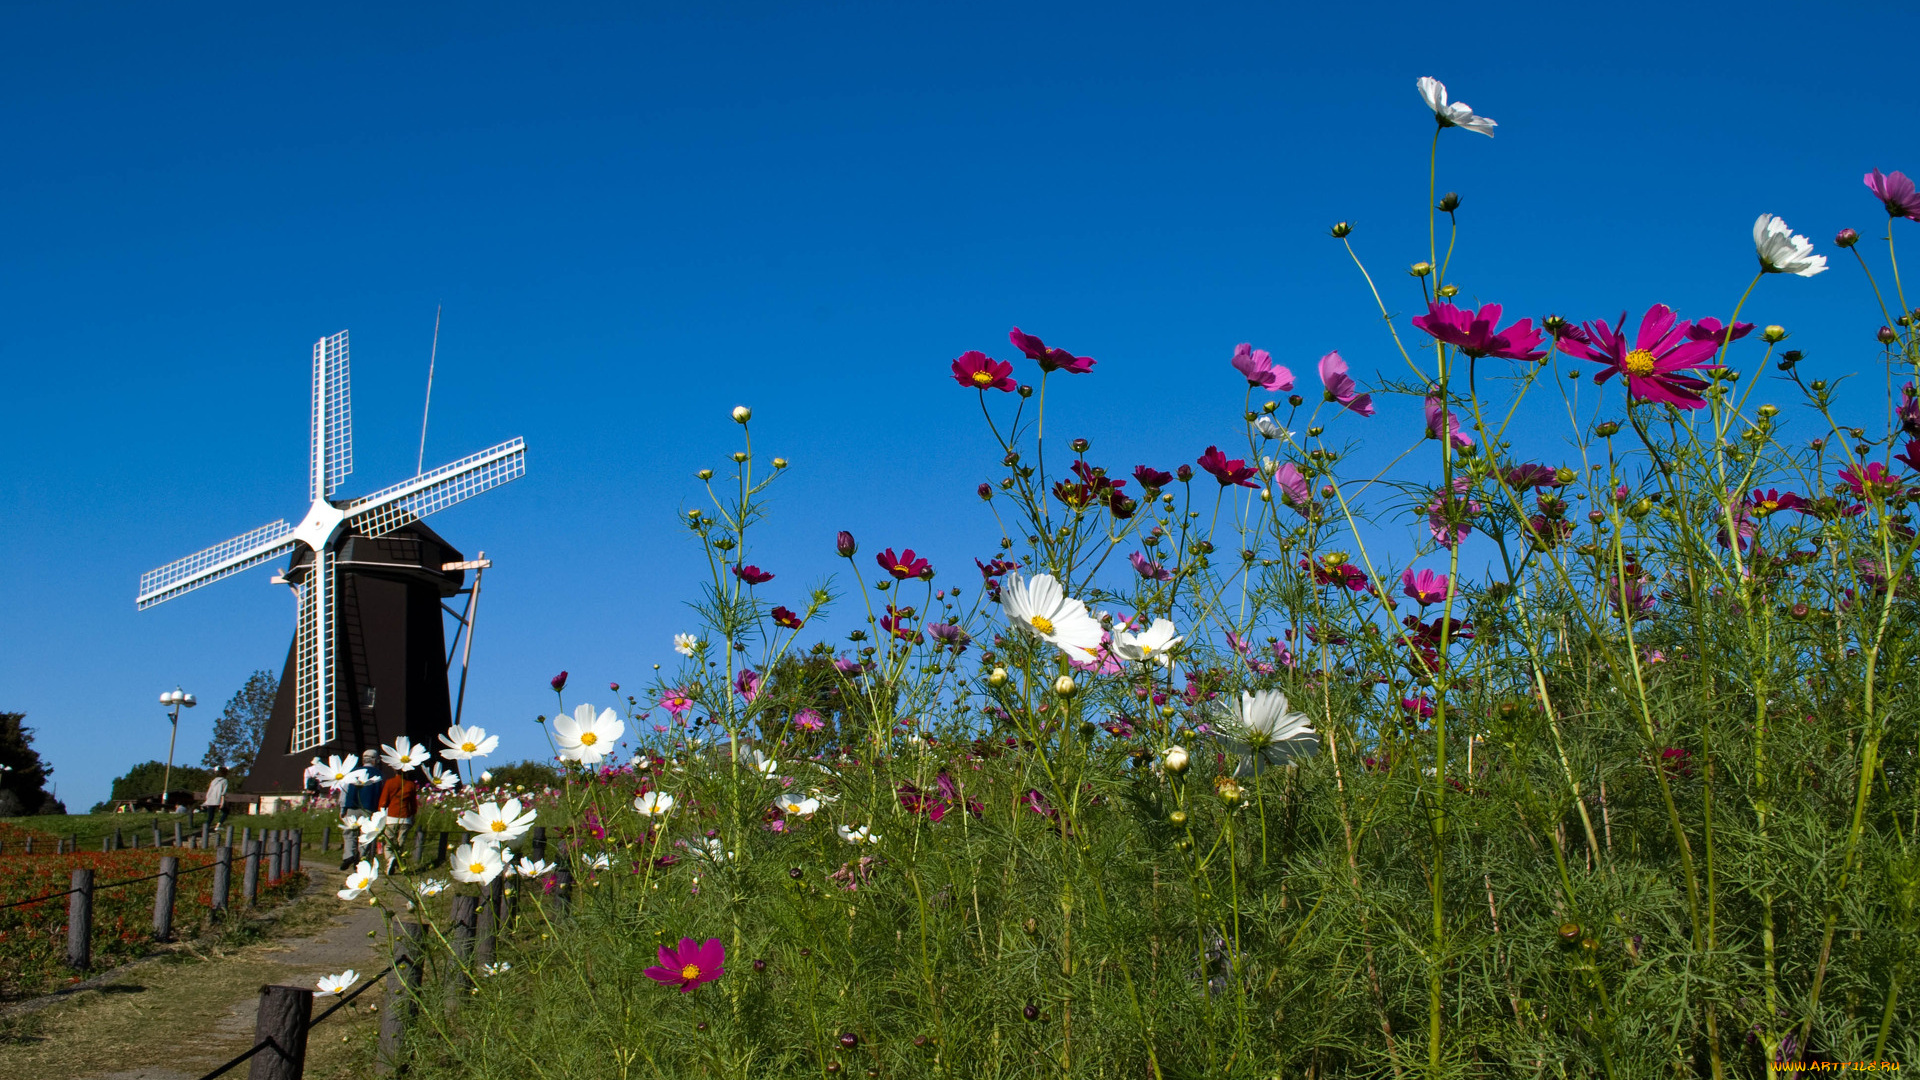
[[292, 1049]]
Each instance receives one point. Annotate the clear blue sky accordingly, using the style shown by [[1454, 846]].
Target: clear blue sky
[[637, 217]]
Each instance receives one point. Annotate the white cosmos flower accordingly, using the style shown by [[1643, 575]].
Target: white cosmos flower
[[686, 644], [1154, 645], [359, 881], [371, 825], [497, 823], [433, 887], [761, 763], [1459, 114], [533, 868], [710, 848], [403, 755], [861, 835], [1266, 731], [794, 804], [599, 862], [587, 738], [477, 862], [654, 803], [330, 985], [341, 771], [1038, 606], [463, 744], [1782, 252], [500, 967], [1270, 428], [442, 779]]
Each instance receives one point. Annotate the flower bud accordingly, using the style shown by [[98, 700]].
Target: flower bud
[[1315, 432], [739, 456], [1296, 400], [1064, 686], [998, 678], [1818, 385], [1080, 446], [759, 965], [558, 682], [705, 474], [1421, 269], [1025, 391], [1031, 1012], [742, 414], [1886, 336], [1606, 429], [1228, 789], [1178, 817], [845, 545], [779, 463], [1773, 335], [985, 491], [1176, 760], [1269, 406], [1799, 611], [849, 1040], [1846, 238], [794, 872], [1184, 473], [693, 515], [1341, 230], [1564, 475], [1569, 932], [1595, 517], [1448, 203], [614, 686], [1769, 411], [1447, 291]]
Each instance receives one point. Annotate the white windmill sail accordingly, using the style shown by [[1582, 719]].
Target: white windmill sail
[[330, 461]]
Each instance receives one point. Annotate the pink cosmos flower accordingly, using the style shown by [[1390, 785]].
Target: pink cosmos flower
[[1654, 364], [1258, 366], [808, 720], [1426, 587], [752, 575], [903, 566], [1293, 486], [1896, 191], [1874, 479], [1149, 569], [677, 701], [747, 684], [1450, 519], [1709, 329], [1340, 386], [1772, 501], [1435, 410], [690, 965], [982, 372], [1050, 359], [1743, 523], [1473, 332], [1229, 471]]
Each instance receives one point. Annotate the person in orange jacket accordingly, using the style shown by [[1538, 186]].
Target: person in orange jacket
[[400, 798]]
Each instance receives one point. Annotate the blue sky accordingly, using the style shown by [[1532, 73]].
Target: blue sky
[[637, 218]]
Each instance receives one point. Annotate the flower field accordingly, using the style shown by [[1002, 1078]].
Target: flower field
[[1576, 752]]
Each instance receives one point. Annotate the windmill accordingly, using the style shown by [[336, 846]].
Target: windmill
[[365, 665]]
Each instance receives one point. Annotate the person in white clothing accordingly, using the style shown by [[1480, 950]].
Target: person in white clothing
[[215, 802]]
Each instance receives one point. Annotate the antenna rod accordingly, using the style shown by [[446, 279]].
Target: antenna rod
[[420, 464]]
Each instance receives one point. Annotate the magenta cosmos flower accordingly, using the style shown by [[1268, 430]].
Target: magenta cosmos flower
[[1896, 192], [690, 965], [1340, 386], [1228, 471], [1473, 333], [677, 701], [1654, 364], [1258, 366], [1773, 500], [1149, 569], [1293, 486], [558, 682], [1875, 479], [1426, 587], [1050, 359], [982, 372], [1709, 329], [1451, 423], [904, 565]]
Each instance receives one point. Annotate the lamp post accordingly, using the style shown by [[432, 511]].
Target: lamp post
[[173, 699]]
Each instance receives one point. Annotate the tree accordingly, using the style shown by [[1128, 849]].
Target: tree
[[146, 777], [24, 774], [237, 733]]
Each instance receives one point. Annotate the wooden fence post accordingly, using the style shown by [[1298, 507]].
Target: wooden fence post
[[118, 842], [563, 889], [156, 834], [203, 829], [176, 834], [350, 840], [222, 877], [250, 880], [466, 914], [80, 921], [326, 838], [537, 843], [163, 892], [486, 925], [440, 852], [401, 992], [281, 1023], [106, 844], [272, 860], [419, 846]]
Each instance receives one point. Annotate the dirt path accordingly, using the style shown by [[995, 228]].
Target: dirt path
[[179, 1017]]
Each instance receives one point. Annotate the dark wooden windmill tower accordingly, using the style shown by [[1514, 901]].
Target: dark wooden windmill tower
[[368, 661]]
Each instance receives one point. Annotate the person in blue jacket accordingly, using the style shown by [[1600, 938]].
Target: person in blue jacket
[[359, 801]]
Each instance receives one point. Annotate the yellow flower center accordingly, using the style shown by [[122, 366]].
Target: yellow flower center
[[982, 378], [469, 747], [1771, 505], [690, 972], [903, 569], [477, 868], [498, 826], [1041, 623], [1146, 651], [588, 738], [1639, 362]]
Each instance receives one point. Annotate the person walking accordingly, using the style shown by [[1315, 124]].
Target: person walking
[[215, 802], [400, 798]]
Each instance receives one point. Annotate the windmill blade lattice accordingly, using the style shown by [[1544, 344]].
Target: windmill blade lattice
[[216, 562], [402, 504], [314, 661], [332, 445]]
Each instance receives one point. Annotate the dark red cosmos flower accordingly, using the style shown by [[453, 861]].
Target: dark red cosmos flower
[[982, 372], [1911, 458], [1095, 477], [1050, 359], [1038, 803], [786, 618], [1654, 363], [558, 682], [690, 965], [995, 568], [1151, 478], [1346, 575], [1522, 477], [904, 565], [1772, 501], [1908, 411], [752, 575], [1709, 329], [1228, 471], [898, 622], [1473, 332]]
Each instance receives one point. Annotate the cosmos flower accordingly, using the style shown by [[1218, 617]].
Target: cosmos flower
[[861, 835], [1772, 501], [498, 967], [1151, 478], [1340, 386], [1655, 363], [532, 868], [1229, 471], [690, 965], [403, 755], [359, 881], [371, 826], [587, 738], [1260, 370], [1263, 730], [330, 985], [747, 684], [1435, 412], [1154, 645], [1149, 569], [464, 744], [1426, 587], [558, 682], [794, 804], [686, 644], [808, 720], [752, 575], [1457, 114], [342, 771], [1873, 480], [1896, 192], [1269, 428], [478, 862], [1039, 607], [1473, 333], [496, 822], [761, 763], [441, 778], [1451, 519], [654, 804], [1293, 486], [787, 618], [1782, 252], [1050, 359], [433, 886], [982, 372], [1709, 329], [904, 565], [950, 635], [677, 701]]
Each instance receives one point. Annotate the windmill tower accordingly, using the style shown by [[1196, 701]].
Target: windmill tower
[[368, 660]]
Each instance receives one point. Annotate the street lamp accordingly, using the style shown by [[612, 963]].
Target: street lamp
[[172, 700]]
